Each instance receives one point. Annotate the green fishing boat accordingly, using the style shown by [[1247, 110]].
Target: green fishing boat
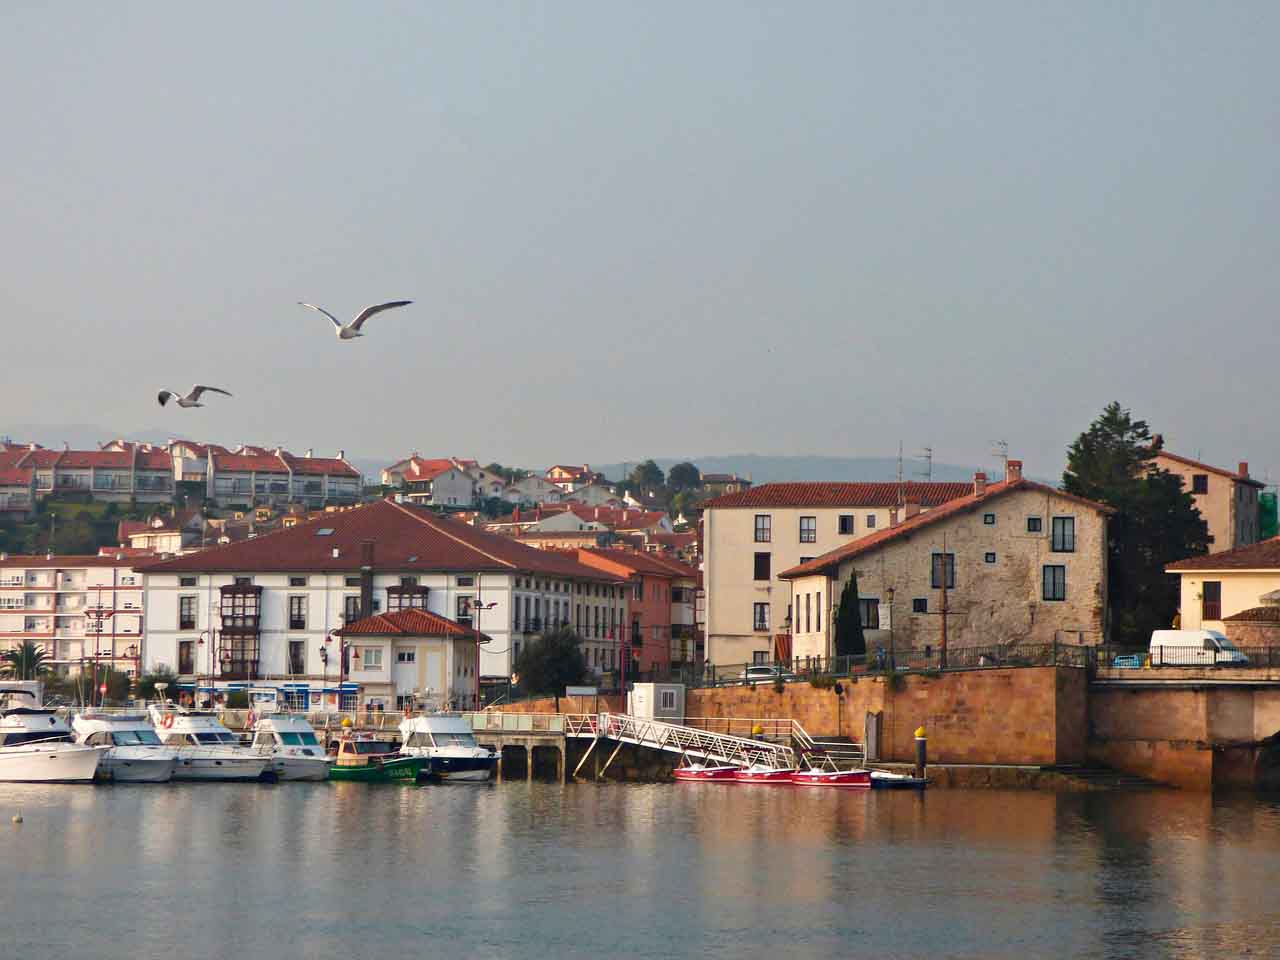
[[374, 761]]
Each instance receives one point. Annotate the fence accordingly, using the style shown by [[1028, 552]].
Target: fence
[[1234, 658]]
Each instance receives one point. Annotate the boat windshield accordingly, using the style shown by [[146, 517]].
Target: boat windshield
[[216, 738], [454, 739], [374, 746], [299, 739], [134, 738]]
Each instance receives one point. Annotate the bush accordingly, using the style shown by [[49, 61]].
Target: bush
[[822, 681], [147, 684], [238, 700]]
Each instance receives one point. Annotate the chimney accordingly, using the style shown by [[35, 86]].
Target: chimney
[[336, 553], [893, 516], [1014, 472], [342, 454], [910, 509], [1244, 468], [979, 484], [366, 578], [310, 452]]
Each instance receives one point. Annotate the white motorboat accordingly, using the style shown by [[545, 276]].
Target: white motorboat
[[36, 744], [449, 744], [292, 746], [206, 749], [134, 751]]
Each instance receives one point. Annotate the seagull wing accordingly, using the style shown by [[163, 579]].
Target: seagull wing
[[322, 310], [368, 312], [164, 396], [200, 388]]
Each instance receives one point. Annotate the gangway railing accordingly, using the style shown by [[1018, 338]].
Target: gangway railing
[[716, 748]]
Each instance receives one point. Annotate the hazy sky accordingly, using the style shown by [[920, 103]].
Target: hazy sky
[[649, 229]]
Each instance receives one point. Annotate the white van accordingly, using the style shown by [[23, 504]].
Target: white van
[[1178, 648]]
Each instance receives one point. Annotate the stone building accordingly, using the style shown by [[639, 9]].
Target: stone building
[[1014, 561], [1227, 501]]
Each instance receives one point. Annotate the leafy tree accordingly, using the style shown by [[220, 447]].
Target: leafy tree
[[850, 640], [646, 476], [684, 476], [26, 661], [147, 684], [1156, 520], [552, 662]]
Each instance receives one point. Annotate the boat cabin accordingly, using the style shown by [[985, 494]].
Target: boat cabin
[[360, 752]]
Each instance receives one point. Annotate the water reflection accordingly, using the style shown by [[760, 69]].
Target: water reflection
[[537, 870]]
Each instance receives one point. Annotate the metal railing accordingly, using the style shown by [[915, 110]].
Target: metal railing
[[1187, 657], [717, 748]]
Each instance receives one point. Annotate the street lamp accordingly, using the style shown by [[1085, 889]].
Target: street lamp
[[201, 642], [888, 596]]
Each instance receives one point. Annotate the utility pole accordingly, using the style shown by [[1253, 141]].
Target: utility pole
[[926, 454]]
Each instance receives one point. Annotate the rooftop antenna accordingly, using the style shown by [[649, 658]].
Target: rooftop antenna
[[1001, 452], [926, 454], [901, 491]]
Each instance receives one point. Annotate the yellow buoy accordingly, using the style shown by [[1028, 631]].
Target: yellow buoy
[[919, 733], [346, 721]]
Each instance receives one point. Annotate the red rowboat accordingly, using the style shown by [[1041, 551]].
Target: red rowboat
[[760, 774], [699, 772], [858, 779]]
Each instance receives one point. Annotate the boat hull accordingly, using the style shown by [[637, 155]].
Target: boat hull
[[706, 774], [464, 769], [849, 779], [138, 769], [220, 768], [881, 780], [771, 777], [300, 768], [399, 769], [56, 763]]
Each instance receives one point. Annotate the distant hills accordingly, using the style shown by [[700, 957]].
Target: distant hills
[[767, 469]]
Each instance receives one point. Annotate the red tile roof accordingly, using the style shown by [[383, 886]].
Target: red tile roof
[[65, 561], [407, 623], [1257, 556], [248, 463], [15, 477], [41, 458], [405, 538], [920, 521], [642, 563], [321, 466], [886, 494], [82, 459], [1255, 615], [1196, 464]]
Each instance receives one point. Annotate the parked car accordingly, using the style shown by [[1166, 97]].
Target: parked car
[[1177, 648], [1128, 661], [766, 673]]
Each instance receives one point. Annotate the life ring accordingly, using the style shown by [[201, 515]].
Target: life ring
[[166, 721]]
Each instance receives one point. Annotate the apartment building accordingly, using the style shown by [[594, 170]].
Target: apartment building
[[1227, 500], [749, 537], [126, 471], [80, 609], [253, 475], [1010, 562], [433, 483], [570, 478], [17, 492], [269, 609]]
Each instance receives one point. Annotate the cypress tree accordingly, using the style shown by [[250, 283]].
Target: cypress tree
[[850, 640]]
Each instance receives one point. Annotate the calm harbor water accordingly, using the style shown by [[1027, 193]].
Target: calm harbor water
[[672, 870]]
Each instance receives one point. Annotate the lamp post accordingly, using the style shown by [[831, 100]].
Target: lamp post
[[478, 607], [208, 644], [888, 596]]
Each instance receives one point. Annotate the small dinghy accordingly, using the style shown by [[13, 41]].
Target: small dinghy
[[814, 777], [702, 772], [883, 780], [760, 773]]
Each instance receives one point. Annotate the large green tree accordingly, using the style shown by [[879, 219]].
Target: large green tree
[[850, 639], [1156, 521], [646, 476], [684, 476], [26, 661], [552, 662]]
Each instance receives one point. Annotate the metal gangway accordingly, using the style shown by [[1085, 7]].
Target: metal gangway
[[715, 748]]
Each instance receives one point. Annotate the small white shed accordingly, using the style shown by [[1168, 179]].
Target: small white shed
[[657, 701]]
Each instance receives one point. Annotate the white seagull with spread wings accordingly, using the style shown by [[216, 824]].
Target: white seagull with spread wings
[[352, 329], [192, 399]]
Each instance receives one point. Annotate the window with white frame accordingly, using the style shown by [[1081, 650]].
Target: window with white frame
[[371, 658]]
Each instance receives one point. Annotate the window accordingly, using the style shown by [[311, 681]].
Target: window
[[760, 616], [406, 656], [297, 581], [989, 519], [640, 587], [187, 612], [920, 605], [244, 581], [186, 581], [808, 529], [805, 559], [871, 521], [352, 581], [764, 528], [297, 613], [668, 700], [297, 656], [350, 608], [1055, 582], [808, 619], [1211, 600], [1064, 535], [464, 610], [1034, 525], [1199, 483], [466, 581], [846, 524], [186, 656], [943, 571], [762, 566], [760, 658], [869, 611], [371, 658], [988, 558], [409, 581], [818, 612]]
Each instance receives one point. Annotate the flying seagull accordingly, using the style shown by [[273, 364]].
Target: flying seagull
[[192, 399], [352, 329]]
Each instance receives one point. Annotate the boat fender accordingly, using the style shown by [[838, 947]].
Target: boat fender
[[166, 721]]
